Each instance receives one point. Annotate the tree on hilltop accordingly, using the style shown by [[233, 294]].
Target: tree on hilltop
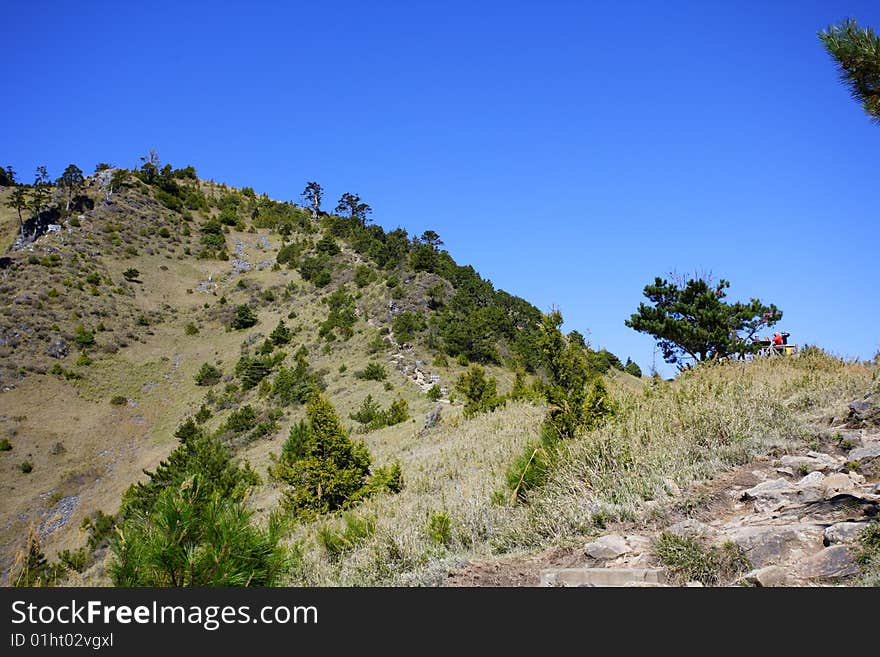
[[351, 204], [692, 321], [18, 201], [313, 193], [71, 181]]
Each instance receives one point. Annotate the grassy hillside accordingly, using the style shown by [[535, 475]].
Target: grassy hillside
[[108, 324]]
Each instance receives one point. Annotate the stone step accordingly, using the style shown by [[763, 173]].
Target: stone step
[[604, 577]]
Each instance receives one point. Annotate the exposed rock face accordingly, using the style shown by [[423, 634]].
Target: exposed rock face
[[865, 412], [831, 563]]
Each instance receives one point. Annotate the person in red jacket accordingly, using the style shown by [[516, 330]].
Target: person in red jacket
[[777, 339]]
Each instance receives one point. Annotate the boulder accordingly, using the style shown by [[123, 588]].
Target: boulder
[[767, 577], [864, 454], [844, 532], [607, 547], [836, 484], [807, 463], [831, 563], [775, 488], [865, 411], [765, 545]]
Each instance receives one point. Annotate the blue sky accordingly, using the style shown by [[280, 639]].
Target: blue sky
[[570, 151]]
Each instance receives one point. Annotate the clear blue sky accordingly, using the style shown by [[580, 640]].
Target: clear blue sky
[[570, 151]]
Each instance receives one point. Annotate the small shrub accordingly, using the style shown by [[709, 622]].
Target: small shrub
[[164, 232], [434, 393], [529, 470], [440, 529], [118, 400], [191, 329], [83, 337], [5, 445], [372, 372], [244, 318], [208, 375], [354, 531], [26, 467], [479, 392], [687, 559], [94, 278], [203, 414]]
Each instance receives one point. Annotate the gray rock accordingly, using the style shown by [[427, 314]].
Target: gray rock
[[832, 562], [603, 577], [844, 532], [865, 411], [765, 545], [864, 454], [690, 527], [812, 480], [432, 418], [767, 577], [57, 349], [607, 547], [837, 483], [774, 488], [808, 463]]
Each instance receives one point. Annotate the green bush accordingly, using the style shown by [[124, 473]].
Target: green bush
[[119, 400], [208, 375], [337, 541], [434, 393], [632, 368], [239, 422], [341, 317], [94, 278], [529, 470], [368, 412], [253, 370], [83, 337], [26, 467], [372, 372], [198, 453], [440, 529], [164, 232], [194, 536], [480, 392], [280, 335], [203, 414], [5, 445], [325, 470], [371, 416], [364, 275], [406, 325], [191, 329], [244, 317]]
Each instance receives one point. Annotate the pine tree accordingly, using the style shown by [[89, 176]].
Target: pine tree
[[18, 201], [857, 53], [325, 469]]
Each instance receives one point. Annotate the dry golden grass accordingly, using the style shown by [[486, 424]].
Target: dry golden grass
[[705, 421]]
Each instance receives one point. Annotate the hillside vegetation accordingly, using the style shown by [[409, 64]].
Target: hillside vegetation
[[334, 403]]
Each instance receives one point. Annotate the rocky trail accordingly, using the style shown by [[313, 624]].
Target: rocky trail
[[796, 517]]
